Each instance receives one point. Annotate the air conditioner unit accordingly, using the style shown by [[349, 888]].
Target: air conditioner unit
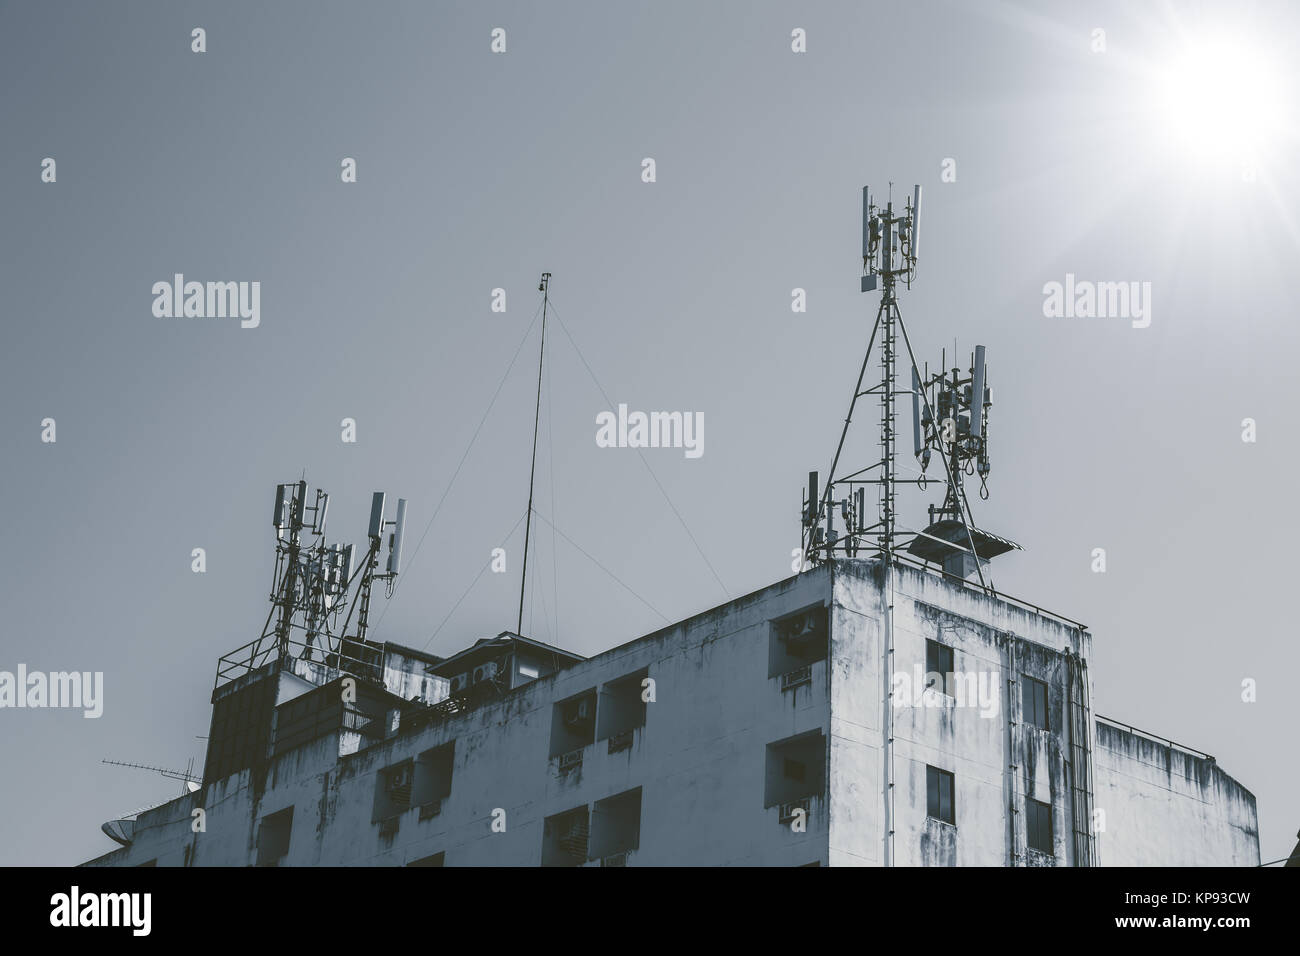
[[803, 628], [579, 712], [459, 683], [797, 677], [485, 671], [571, 760], [573, 838], [400, 777], [788, 811]]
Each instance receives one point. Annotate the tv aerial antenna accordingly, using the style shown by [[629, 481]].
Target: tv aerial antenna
[[187, 777]]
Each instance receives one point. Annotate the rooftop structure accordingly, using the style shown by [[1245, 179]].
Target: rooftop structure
[[750, 734]]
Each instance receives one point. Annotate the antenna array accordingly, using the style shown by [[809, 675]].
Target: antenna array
[[313, 578], [949, 417], [958, 431]]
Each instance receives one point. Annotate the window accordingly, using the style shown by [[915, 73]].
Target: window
[[939, 795], [616, 827], [1033, 701], [938, 665], [273, 837], [432, 783], [796, 770], [621, 711], [573, 724], [797, 640], [564, 837], [1038, 825], [393, 787]]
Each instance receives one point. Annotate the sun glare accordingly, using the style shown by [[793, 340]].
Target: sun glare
[[1221, 101]]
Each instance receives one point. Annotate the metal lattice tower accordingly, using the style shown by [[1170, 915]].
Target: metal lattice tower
[[958, 433]]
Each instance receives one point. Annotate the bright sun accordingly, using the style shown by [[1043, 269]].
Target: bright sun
[[1221, 101]]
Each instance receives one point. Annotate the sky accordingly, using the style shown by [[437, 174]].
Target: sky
[[1044, 149]]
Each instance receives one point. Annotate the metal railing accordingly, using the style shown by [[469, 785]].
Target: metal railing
[[992, 592], [256, 654], [1155, 737]]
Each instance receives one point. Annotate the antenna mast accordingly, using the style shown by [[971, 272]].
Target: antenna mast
[[890, 241], [311, 586], [959, 432], [543, 288], [186, 776]]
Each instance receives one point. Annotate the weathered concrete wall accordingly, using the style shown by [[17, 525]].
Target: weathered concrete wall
[[700, 760], [978, 737], [855, 805], [701, 757], [1165, 806]]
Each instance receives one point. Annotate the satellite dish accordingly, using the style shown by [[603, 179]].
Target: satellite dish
[[120, 831]]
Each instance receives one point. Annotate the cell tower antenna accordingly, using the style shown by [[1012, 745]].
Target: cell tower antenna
[[544, 288], [890, 244], [311, 585]]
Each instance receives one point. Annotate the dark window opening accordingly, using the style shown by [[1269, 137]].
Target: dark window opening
[[1038, 826], [573, 723], [938, 666], [939, 793], [1033, 696], [393, 786], [564, 838], [273, 837], [432, 783], [798, 640], [796, 770], [616, 827], [434, 860], [621, 711]]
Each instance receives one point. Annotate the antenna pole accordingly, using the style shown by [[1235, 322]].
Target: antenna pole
[[543, 288], [888, 313]]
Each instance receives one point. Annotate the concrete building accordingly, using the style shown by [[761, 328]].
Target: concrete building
[[760, 732]]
